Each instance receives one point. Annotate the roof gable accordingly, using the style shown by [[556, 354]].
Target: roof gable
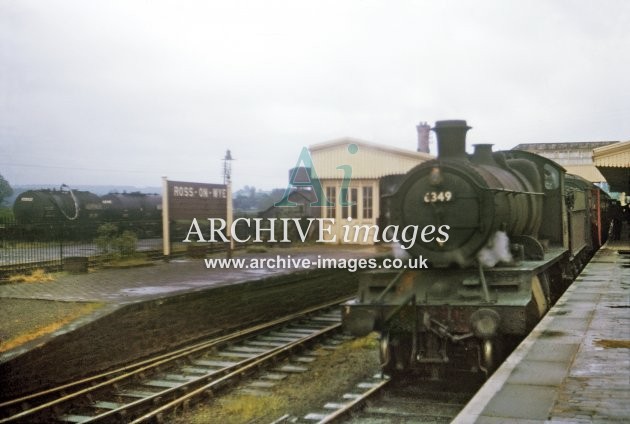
[[346, 141], [365, 159]]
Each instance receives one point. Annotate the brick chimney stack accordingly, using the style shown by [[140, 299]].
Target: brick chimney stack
[[423, 137]]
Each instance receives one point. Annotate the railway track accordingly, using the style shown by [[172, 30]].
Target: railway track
[[147, 390], [383, 400]]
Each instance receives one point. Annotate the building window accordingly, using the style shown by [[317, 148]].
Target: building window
[[344, 199], [367, 202], [331, 196], [349, 208], [354, 205]]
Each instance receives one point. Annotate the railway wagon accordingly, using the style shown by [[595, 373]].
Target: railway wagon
[[57, 214], [137, 212], [519, 231], [47, 206], [75, 214]]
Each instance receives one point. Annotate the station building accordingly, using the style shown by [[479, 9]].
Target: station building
[[576, 158], [357, 199], [605, 163]]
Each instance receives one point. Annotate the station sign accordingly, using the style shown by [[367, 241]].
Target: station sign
[[187, 200], [184, 200]]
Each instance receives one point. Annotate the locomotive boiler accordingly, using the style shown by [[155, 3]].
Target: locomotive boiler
[[508, 257], [477, 197]]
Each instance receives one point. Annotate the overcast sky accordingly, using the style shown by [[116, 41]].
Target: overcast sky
[[124, 92]]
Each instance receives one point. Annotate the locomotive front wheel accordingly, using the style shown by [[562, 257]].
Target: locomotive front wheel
[[491, 354], [395, 353], [488, 356], [384, 351]]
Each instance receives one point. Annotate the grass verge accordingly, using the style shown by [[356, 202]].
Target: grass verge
[[31, 325], [37, 276]]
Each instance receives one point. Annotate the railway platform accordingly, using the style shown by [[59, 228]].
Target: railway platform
[[575, 365], [180, 275], [54, 331]]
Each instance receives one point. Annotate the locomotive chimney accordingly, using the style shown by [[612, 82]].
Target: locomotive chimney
[[423, 137], [451, 138]]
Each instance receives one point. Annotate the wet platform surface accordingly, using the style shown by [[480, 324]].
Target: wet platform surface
[[165, 279], [575, 365]]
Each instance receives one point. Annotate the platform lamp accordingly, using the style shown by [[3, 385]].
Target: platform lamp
[[227, 181]]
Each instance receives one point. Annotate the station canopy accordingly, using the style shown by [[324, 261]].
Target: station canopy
[[613, 161]]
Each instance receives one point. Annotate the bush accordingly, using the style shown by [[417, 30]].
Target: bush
[[126, 243], [110, 241], [6, 214]]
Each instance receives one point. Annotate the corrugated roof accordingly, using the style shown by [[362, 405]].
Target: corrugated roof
[[580, 145], [613, 156]]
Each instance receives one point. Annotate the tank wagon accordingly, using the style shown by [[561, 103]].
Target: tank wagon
[[137, 212], [45, 206], [519, 231], [77, 214], [62, 213]]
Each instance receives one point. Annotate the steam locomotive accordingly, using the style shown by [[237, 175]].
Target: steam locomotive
[[78, 213], [520, 229]]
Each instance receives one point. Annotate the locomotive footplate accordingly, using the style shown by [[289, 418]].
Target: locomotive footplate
[[390, 301]]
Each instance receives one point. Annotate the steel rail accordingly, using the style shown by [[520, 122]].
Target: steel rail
[[255, 363], [104, 380], [348, 407], [95, 378]]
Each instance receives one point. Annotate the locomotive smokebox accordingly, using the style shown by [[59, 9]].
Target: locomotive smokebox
[[451, 138]]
